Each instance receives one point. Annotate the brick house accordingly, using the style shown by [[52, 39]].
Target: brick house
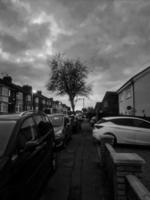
[[15, 98], [11, 96], [27, 98], [4, 97]]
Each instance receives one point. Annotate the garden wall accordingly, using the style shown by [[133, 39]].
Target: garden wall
[[124, 172]]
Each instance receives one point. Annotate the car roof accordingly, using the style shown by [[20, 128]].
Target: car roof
[[56, 114], [123, 117], [9, 116], [16, 116]]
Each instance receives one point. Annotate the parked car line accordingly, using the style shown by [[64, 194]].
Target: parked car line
[[26, 154]]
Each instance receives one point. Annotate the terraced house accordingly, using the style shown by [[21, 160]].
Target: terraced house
[[15, 98], [4, 97]]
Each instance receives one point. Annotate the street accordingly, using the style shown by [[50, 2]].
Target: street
[[74, 99], [79, 175]]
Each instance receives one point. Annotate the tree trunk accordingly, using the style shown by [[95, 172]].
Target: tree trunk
[[72, 104]]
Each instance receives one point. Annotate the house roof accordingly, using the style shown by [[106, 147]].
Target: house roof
[[109, 94], [11, 85], [131, 80], [98, 106]]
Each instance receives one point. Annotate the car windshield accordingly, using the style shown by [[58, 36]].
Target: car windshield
[[57, 121], [6, 128]]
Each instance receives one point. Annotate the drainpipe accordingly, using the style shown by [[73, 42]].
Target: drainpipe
[[133, 90]]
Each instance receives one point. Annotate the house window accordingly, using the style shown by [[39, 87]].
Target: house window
[[36, 108], [28, 107], [4, 91], [4, 99], [4, 107], [49, 103], [121, 97], [19, 96], [36, 100], [28, 98], [43, 101], [105, 104], [19, 107]]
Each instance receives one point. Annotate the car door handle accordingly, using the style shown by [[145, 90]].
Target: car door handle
[[41, 146]]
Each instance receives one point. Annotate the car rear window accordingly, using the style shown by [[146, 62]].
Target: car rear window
[[131, 122], [6, 128], [123, 121], [57, 120], [141, 124]]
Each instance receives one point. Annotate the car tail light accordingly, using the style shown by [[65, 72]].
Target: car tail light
[[97, 126]]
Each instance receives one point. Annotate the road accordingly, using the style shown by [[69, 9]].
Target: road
[[79, 175]]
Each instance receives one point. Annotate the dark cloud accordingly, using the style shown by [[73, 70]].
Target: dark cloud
[[11, 16], [110, 36], [79, 10], [36, 35], [25, 73], [11, 44]]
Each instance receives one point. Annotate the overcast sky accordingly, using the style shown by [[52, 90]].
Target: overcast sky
[[112, 37]]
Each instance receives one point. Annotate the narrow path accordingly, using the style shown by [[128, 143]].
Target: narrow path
[[79, 175], [76, 176]]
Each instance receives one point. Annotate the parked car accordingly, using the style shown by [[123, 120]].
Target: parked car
[[125, 130], [92, 121], [62, 128], [26, 154], [74, 124]]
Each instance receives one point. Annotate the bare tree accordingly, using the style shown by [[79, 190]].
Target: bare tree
[[67, 77]]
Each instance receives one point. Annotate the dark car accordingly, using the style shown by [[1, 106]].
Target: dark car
[[62, 128], [26, 154], [92, 121]]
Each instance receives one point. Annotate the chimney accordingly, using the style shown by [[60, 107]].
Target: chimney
[[7, 79], [27, 89], [39, 92]]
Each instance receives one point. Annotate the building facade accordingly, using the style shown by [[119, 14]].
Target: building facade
[[98, 110], [4, 97], [15, 99], [27, 98], [41, 102], [134, 95]]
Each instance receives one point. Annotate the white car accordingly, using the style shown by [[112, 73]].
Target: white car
[[125, 130]]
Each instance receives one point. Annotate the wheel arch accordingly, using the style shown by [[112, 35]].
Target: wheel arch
[[112, 134]]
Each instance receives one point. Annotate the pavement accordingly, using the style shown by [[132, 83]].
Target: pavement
[[79, 175]]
